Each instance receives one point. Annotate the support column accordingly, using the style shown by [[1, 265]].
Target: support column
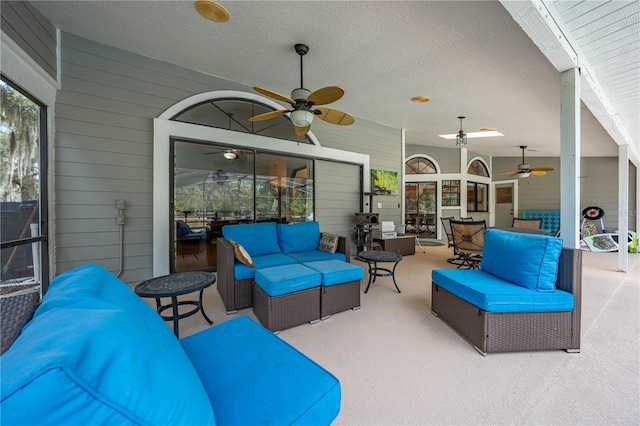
[[623, 207], [463, 182], [570, 157]]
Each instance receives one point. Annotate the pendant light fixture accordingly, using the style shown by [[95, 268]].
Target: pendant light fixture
[[461, 138]]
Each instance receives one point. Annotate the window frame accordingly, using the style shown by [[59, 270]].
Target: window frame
[[43, 187]]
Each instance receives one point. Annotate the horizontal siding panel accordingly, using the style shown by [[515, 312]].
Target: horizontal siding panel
[[128, 83], [100, 90], [81, 226], [24, 25], [106, 145], [87, 115], [105, 238], [65, 125], [93, 170], [121, 163], [119, 107], [71, 183], [89, 197]]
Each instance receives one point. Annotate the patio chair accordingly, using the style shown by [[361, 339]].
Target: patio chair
[[446, 224], [526, 223], [468, 240], [467, 219]]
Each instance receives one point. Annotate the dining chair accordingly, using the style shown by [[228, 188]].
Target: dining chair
[[446, 224], [468, 240]]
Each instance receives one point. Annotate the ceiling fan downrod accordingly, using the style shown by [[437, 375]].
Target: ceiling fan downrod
[[301, 49]]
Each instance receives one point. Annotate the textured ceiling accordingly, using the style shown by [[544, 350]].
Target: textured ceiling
[[472, 58]]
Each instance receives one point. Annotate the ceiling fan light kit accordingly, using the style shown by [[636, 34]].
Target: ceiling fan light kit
[[230, 155], [301, 118]]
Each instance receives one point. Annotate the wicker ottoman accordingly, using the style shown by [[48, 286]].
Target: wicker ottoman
[[286, 296], [340, 286]]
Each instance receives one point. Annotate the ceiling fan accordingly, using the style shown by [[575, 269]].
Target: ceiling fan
[[302, 102], [524, 170]]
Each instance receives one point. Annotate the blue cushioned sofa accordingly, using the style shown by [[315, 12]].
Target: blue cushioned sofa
[[95, 353], [269, 244], [526, 295]]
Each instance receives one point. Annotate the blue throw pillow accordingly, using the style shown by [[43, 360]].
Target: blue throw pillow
[[527, 260]]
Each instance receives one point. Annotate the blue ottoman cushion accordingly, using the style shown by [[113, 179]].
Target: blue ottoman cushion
[[336, 272], [243, 272], [285, 279], [295, 384]]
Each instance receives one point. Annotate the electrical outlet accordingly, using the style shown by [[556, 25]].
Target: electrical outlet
[[120, 219], [379, 205]]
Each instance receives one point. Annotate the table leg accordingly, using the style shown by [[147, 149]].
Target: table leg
[[202, 309], [393, 275], [176, 317], [371, 276]]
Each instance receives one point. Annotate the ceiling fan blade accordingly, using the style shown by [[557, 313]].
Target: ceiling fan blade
[[268, 115], [508, 173], [542, 169], [301, 131], [274, 95], [326, 95], [334, 116], [538, 172]]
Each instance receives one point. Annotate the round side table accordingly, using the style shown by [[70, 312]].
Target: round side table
[[174, 285], [373, 257]]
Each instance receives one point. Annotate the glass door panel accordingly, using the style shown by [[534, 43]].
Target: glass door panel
[[420, 209]]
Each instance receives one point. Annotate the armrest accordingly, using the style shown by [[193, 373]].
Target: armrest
[[344, 247], [225, 279]]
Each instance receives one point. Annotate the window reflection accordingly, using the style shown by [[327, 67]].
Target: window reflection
[[211, 190]]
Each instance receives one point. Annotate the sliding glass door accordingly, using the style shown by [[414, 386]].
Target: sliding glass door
[[214, 186], [420, 209]]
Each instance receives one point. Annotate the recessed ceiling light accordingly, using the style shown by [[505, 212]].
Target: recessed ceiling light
[[212, 10], [485, 134], [420, 99]]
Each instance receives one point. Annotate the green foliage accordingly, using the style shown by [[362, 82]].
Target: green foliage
[[19, 146]]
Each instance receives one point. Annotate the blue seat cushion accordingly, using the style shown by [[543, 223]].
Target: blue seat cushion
[[336, 272], [528, 260], [243, 272], [316, 256], [95, 353], [285, 279], [494, 294], [297, 237], [255, 378], [256, 238]]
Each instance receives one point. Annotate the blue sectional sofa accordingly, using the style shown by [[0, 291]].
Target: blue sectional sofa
[[268, 244], [95, 353], [526, 295]]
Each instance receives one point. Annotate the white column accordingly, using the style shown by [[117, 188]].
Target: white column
[[570, 157], [463, 182], [623, 207]]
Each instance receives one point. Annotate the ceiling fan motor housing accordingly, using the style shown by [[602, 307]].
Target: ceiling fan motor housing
[[300, 95]]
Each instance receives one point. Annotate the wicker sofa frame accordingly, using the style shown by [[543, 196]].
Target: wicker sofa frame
[[237, 294], [518, 331]]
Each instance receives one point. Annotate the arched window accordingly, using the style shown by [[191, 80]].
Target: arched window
[[233, 114], [478, 168], [419, 165], [477, 193]]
